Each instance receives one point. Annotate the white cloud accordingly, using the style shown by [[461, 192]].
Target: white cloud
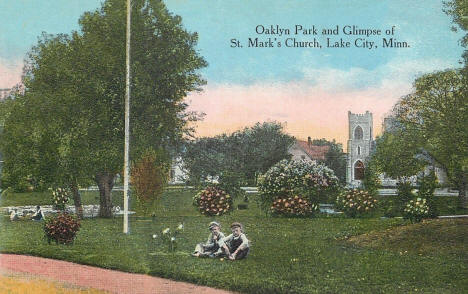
[[396, 73]]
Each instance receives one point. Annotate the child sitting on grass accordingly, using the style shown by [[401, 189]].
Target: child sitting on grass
[[236, 245], [212, 247], [14, 215], [38, 215]]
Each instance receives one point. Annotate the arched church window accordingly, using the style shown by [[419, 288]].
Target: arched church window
[[358, 150], [358, 134], [358, 170]]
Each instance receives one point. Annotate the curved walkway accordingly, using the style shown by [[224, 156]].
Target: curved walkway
[[97, 278]]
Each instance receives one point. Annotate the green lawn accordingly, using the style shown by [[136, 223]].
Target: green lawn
[[288, 255]]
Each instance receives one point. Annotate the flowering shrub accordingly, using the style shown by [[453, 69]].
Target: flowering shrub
[[61, 228], [168, 237], [356, 202], [60, 197], [293, 206], [288, 178], [213, 201], [149, 176], [416, 210]]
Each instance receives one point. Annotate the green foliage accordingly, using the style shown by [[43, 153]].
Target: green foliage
[[427, 185], [457, 9], [335, 158], [61, 228], [394, 205], [213, 201], [245, 153], [231, 182], [395, 155], [404, 193], [168, 237], [371, 182], [14, 182], [325, 259], [434, 118], [356, 203], [67, 128], [416, 209], [313, 181]]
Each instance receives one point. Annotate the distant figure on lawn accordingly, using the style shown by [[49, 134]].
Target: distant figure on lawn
[[37, 216], [14, 215], [236, 245], [212, 247]]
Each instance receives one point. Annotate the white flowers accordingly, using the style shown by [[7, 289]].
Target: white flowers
[[168, 237], [60, 197], [416, 210]]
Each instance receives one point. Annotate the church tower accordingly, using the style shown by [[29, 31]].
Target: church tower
[[360, 140]]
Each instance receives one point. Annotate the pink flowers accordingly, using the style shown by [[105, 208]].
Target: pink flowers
[[213, 201]]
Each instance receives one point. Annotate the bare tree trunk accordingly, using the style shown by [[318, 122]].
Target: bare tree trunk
[[77, 200], [105, 182]]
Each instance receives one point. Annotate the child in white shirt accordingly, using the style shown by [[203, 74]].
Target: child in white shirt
[[212, 246], [236, 245]]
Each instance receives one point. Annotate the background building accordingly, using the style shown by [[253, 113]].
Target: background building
[[360, 142]]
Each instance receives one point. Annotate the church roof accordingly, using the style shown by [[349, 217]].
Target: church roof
[[313, 151]]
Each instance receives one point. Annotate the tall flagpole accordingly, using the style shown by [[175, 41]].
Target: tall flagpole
[[127, 119]]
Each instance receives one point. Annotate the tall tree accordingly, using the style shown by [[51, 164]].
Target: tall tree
[[458, 10], [435, 115], [395, 155], [79, 81], [247, 152]]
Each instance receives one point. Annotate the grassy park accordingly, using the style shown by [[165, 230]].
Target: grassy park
[[289, 255]]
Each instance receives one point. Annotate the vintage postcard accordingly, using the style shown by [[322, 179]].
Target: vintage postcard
[[209, 146]]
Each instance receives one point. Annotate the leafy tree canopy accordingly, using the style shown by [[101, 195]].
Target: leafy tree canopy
[[247, 152], [75, 87], [434, 119]]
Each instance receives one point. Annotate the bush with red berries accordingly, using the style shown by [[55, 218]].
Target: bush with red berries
[[293, 206], [61, 228], [213, 201]]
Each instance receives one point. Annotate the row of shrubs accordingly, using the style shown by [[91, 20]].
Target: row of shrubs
[[295, 189], [290, 189]]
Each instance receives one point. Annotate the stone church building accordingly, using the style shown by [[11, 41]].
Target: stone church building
[[360, 142]]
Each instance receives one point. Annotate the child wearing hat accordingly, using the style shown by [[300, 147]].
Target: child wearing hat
[[236, 245], [212, 246]]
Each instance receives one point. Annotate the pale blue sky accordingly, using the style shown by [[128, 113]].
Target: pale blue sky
[[310, 90], [422, 23]]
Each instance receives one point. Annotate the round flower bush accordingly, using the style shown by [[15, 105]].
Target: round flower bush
[[356, 202], [60, 197], [62, 228], [293, 206], [213, 201], [416, 210], [287, 178]]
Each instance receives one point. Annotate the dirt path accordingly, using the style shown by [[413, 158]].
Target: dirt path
[[97, 278]]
